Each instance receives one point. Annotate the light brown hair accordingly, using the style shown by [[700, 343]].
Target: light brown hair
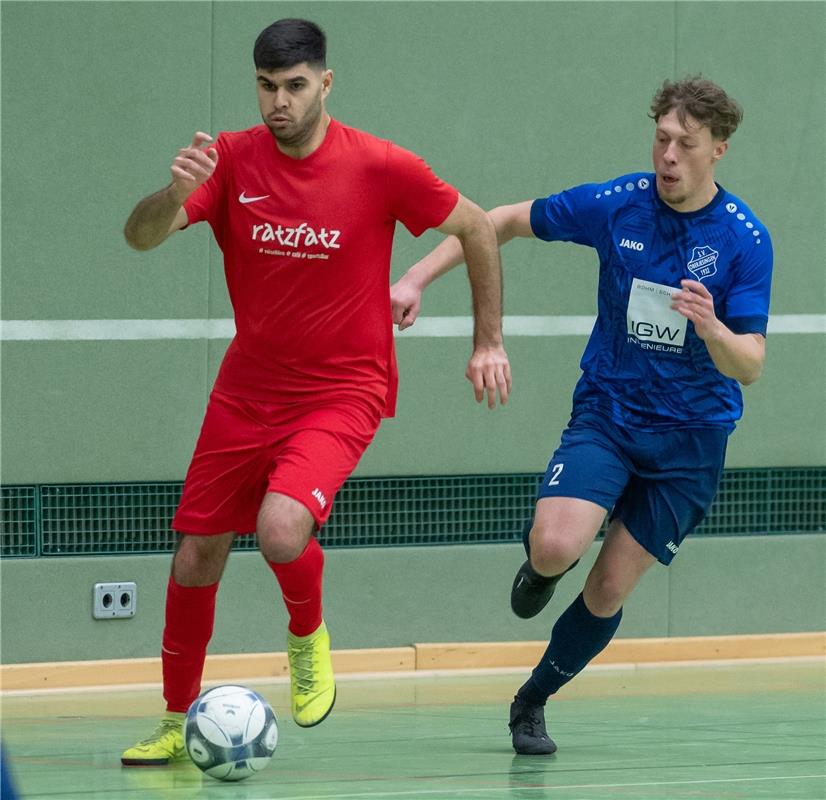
[[701, 99]]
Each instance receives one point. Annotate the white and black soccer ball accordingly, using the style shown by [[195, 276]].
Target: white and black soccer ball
[[230, 732]]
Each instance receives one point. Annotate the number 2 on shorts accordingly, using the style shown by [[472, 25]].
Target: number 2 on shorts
[[557, 471]]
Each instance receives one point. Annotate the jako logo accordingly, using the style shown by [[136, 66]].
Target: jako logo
[[672, 547], [561, 671], [295, 237], [322, 500], [632, 245]]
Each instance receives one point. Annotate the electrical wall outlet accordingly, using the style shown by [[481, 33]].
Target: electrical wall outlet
[[114, 600]]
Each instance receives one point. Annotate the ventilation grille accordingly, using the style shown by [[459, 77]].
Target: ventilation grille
[[97, 519]]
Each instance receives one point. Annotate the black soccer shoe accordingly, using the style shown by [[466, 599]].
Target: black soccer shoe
[[531, 591], [528, 734]]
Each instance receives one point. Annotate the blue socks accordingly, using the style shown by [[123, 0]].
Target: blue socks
[[576, 638]]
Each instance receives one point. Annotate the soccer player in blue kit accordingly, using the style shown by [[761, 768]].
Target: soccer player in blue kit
[[683, 301]]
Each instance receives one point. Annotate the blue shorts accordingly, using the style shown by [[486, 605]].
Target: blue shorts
[[659, 485]]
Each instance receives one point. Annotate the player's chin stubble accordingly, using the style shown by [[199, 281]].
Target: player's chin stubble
[[304, 130]]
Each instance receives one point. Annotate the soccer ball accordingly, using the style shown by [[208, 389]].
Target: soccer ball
[[230, 732]]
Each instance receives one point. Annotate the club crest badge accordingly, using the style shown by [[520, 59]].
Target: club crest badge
[[703, 262]]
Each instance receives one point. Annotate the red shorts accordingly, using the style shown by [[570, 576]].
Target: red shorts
[[248, 448]]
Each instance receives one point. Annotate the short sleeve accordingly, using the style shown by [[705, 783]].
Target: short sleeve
[[416, 196], [573, 215], [204, 202], [747, 301]]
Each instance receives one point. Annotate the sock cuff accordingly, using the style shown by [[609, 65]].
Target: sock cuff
[[195, 592], [310, 556], [531, 694], [591, 620]]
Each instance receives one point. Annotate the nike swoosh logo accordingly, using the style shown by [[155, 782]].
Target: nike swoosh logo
[[300, 707], [242, 198]]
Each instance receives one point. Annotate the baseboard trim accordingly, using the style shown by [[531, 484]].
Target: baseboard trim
[[424, 657], [626, 651]]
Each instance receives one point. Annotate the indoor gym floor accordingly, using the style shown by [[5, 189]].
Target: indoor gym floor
[[754, 730]]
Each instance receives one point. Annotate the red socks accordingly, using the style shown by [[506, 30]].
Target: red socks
[[300, 583], [190, 616]]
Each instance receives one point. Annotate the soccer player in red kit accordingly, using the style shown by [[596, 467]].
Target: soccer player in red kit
[[304, 209]]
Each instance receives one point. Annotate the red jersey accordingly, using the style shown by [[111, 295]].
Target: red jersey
[[307, 245]]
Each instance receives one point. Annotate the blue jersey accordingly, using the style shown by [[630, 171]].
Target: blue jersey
[[644, 366]]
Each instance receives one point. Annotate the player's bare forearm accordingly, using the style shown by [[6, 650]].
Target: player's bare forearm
[[406, 293], [158, 215], [488, 369], [475, 235], [738, 356], [471, 238], [151, 221], [443, 258], [508, 221], [484, 265], [484, 271]]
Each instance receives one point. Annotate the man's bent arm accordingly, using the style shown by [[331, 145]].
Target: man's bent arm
[[476, 235], [154, 219], [509, 221], [736, 355], [162, 213], [475, 238]]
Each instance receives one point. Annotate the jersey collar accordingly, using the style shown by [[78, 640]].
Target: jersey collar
[[710, 206]]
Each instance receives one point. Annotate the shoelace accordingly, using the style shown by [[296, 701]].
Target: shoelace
[[531, 722], [534, 581], [166, 726], [535, 728], [301, 663], [535, 725]]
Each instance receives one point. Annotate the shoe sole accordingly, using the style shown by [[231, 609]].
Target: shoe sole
[[153, 762], [534, 753], [318, 721]]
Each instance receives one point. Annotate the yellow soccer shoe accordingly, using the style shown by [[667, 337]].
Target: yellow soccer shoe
[[163, 747], [312, 684]]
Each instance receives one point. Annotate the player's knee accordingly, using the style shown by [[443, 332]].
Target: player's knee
[[604, 593], [199, 560], [281, 540], [280, 548], [551, 553], [284, 528]]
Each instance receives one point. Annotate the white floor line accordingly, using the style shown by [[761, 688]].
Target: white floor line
[[459, 791], [79, 330]]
